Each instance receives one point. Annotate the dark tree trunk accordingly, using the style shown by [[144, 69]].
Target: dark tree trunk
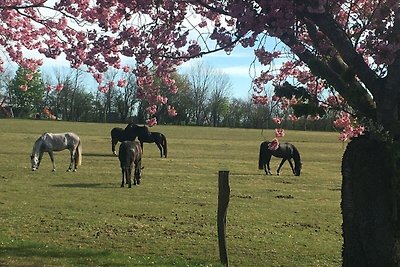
[[370, 204]]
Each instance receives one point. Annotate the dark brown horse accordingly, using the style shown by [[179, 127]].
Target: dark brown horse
[[286, 151], [158, 138], [130, 133], [130, 157]]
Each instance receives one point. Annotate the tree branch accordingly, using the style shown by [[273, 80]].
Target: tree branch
[[334, 73], [347, 51]]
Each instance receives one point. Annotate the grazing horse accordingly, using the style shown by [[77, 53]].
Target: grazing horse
[[130, 133], [130, 155], [49, 142], [158, 138], [286, 151]]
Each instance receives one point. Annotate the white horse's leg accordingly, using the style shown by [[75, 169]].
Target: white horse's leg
[[39, 160], [52, 160], [73, 160]]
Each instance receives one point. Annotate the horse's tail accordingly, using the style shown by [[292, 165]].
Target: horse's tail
[[79, 153], [112, 140], [262, 155], [164, 142]]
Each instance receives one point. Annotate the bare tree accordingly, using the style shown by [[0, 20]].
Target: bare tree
[[126, 97], [208, 93], [200, 79], [218, 101], [64, 101]]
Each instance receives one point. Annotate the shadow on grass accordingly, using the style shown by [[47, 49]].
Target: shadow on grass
[[33, 254], [108, 155], [85, 185]]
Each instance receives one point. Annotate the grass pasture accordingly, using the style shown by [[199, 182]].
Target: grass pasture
[[86, 219]]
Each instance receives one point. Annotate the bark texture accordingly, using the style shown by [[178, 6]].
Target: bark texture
[[369, 204]]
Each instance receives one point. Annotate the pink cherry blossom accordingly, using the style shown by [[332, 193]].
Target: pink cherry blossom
[[151, 122], [277, 120], [171, 111], [350, 127], [162, 100], [274, 144], [279, 132], [262, 100], [103, 89], [29, 76], [59, 87], [152, 110], [292, 117], [121, 82], [126, 68], [23, 87]]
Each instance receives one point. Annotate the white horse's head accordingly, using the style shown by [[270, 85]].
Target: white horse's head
[[37, 152]]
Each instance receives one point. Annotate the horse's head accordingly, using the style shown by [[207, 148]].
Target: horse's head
[[297, 168], [34, 162], [117, 134]]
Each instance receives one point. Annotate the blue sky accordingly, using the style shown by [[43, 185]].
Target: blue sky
[[236, 66]]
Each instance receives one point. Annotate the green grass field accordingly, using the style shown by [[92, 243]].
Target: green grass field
[[84, 218]]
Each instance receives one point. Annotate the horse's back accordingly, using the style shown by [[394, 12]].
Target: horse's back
[[133, 130], [129, 152], [118, 133], [60, 141], [72, 136]]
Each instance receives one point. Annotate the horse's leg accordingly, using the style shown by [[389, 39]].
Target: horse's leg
[[123, 174], [280, 166], [160, 148], [141, 145], [113, 143], [135, 181], [291, 165], [40, 159], [129, 178], [138, 169], [71, 163], [52, 160], [267, 169], [76, 158]]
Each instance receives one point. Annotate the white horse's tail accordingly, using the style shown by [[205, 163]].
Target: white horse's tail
[[79, 153]]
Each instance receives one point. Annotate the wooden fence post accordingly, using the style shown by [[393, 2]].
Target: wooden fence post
[[223, 201]]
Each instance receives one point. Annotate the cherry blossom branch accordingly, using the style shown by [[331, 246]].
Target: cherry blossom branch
[[346, 49]]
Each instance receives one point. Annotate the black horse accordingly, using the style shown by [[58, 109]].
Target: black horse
[[286, 151], [130, 133], [130, 157], [158, 138]]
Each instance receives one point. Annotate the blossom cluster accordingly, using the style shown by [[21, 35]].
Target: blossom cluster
[[350, 127], [274, 144]]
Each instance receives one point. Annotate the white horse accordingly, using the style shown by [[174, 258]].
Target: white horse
[[49, 142]]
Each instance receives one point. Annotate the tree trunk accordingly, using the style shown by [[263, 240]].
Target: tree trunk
[[370, 200]]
